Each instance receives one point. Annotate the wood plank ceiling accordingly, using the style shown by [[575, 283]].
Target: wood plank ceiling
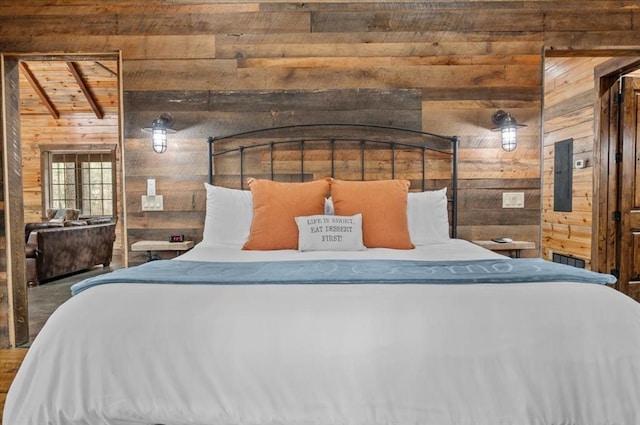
[[56, 87]]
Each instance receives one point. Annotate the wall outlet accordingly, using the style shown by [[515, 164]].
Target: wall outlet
[[513, 200], [151, 187], [152, 203]]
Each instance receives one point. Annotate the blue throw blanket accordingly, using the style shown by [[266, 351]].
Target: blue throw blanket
[[506, 270]]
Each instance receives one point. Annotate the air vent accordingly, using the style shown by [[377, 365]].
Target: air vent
[[570, 261]]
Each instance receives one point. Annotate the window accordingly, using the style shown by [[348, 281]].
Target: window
[[80, 180]]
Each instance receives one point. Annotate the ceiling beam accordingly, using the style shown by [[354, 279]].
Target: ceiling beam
[[106, 68], [39, 90], [73, 67]]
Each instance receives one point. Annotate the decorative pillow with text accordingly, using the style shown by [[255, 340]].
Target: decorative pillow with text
[[330, 233]]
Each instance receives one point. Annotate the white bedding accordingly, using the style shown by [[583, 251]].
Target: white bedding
[[453, 249], [543, 354]]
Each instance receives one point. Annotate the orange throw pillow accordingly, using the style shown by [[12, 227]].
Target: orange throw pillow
[[275, 207], [383, 205]]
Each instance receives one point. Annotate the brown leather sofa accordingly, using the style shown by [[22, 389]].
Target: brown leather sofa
[[54, 251]]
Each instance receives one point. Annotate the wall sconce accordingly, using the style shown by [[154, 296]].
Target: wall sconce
[[508, 126], [159, 129]]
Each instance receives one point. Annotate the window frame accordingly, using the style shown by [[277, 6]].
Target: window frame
[[46, 153]]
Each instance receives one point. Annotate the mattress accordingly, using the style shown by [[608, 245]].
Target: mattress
[[482, 354]]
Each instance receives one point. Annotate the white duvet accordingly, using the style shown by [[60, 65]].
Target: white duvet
[[550, 353]]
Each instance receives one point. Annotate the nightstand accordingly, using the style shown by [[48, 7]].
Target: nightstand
[[150, 246], [512, 248]]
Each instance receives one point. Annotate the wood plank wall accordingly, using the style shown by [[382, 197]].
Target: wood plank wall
[[222, 67], [569, 97], [5, 304]]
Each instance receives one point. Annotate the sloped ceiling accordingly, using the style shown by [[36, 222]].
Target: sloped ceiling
[[59, 88]]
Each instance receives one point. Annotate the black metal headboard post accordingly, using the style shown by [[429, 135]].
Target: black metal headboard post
[[454, 188], [392, 137], [210, 141]]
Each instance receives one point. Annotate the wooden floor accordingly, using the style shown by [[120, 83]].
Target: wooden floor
[[10, 360]]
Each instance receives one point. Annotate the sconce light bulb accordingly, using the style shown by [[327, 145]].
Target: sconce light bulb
[[159, 135], [508, 126], [159, 140], [509, 139]]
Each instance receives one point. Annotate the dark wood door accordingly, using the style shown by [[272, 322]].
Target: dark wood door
[[628, 193]]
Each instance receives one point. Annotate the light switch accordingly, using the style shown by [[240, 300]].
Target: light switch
[[151, 187]]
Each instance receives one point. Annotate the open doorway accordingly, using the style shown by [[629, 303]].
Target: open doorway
[[617, 179], [63, 114], [582, 110]]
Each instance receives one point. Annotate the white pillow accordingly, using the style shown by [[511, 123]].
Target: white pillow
[[428, 217], [330, 233], [328, 206], [228, 216]]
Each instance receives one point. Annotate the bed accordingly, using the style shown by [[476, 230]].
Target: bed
[[338, 328]]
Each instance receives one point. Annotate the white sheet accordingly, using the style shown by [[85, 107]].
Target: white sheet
[[543, 354]]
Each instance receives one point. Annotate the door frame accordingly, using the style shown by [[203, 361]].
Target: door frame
[[606, 76], [12, 185]]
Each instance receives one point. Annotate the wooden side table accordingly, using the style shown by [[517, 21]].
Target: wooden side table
[[513, 248], [151, 246]]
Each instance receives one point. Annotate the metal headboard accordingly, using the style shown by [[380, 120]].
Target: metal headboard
[[361, 135]]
